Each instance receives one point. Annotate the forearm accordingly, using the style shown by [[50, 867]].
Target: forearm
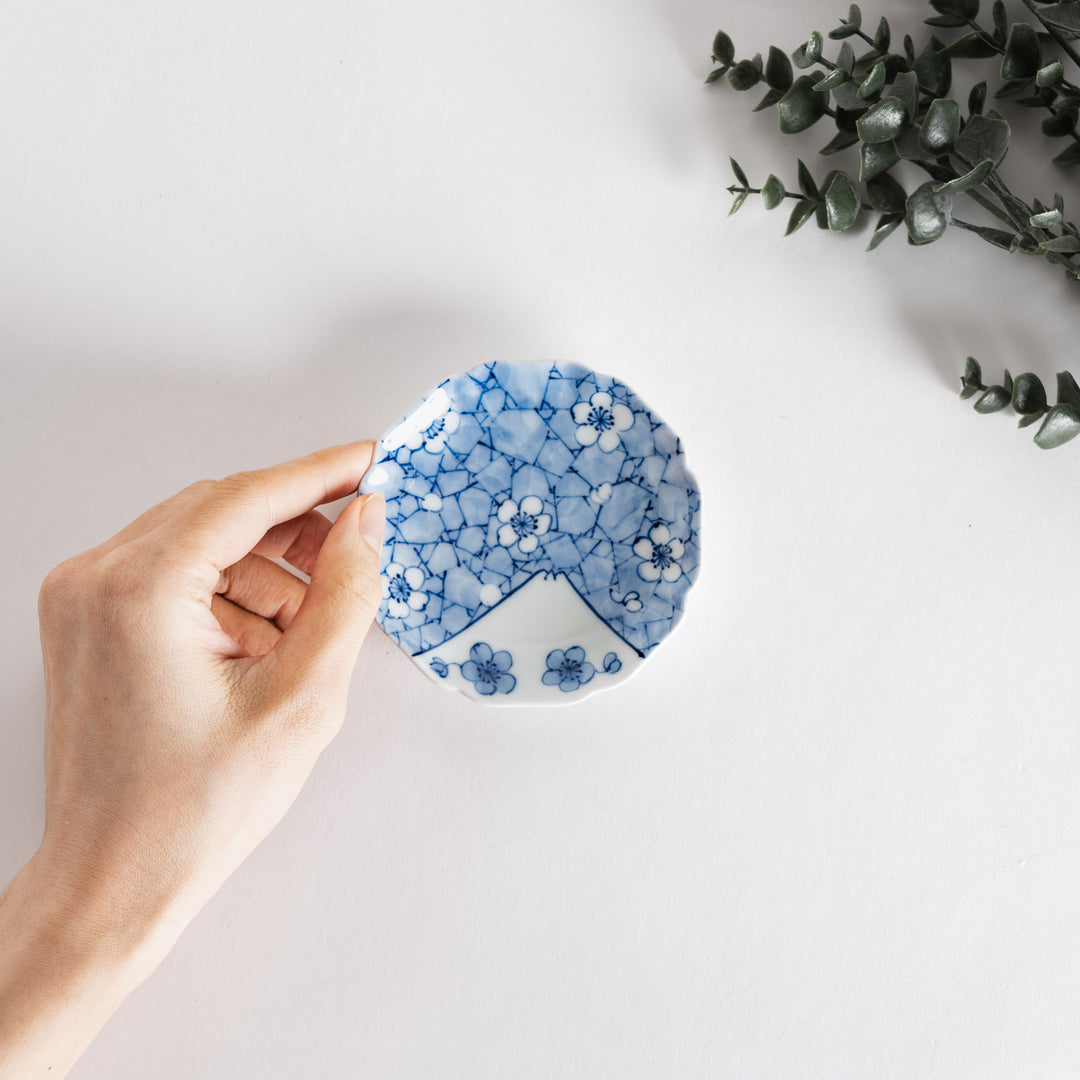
[[64, 969]]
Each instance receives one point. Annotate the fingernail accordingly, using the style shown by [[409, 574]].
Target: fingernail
[[373, 520]]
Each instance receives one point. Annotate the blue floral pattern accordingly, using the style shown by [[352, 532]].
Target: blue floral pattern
[[401, 590], [660, 553], [522, 526], [489, 671], [511, 470], [568, 669], [601, 421]]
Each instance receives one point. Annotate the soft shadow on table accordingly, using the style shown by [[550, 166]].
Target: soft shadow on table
[[393, 353], [945, 339]]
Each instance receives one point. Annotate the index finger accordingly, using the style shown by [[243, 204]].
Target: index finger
[[232, 517]]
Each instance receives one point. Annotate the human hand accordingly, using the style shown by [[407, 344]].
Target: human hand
[[191, 683]]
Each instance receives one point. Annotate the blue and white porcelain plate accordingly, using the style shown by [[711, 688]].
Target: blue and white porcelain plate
[[542, 532]]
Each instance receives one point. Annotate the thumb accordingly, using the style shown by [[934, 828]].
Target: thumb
[[325, 635]]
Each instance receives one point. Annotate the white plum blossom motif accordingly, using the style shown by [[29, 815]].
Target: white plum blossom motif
[[599, 421], [523, 525], [600, 494], [401, 590], [433, 437], [659, 553]]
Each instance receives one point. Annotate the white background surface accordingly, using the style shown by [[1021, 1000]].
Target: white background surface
[[831, 829]]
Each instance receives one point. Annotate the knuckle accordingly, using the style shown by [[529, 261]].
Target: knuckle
[[200, 488], [127, 581], [250, 486], [103, 586], [115, 578], [58, 590]]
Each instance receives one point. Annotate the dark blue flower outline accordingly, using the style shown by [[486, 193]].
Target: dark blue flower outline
[[612, 663], [439, 666], [569, 669], [489, 671]]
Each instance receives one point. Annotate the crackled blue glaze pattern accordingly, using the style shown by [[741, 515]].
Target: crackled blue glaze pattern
[[511, 470]]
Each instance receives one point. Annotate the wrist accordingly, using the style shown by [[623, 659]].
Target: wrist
[[67, 962]]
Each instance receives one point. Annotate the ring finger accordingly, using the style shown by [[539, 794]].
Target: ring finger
[[264, 588]]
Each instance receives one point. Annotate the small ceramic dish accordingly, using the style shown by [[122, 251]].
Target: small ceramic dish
[[542, 531]]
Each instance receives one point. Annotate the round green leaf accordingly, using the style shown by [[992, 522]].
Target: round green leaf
[[906, 87], [769, 100], [872, 85], [983, 137], [802, 106], [941, 126], [1028, 394], [1045, 220], [933, 69], [778, 71], [1023, 54], [883, 121], [837, 77], [1050, 75], [1001, 22], [848, 26], [821, 213], [1068, 245], [882, 36], [801, 213], [886, 226], [1068, 391], [841, 203], [977, 98], [723, 48], [1060, 123], [962, 9], [875, 158], [806, 182], [1062, 423], [814, 45], [972, 378], [1065, 16], [744, 75], [886, 195], [993, 400], [840, 141], [845, 57], [927, 214], [1069, 156], [772, 192]]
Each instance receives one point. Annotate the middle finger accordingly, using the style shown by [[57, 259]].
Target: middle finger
[[263, 588]]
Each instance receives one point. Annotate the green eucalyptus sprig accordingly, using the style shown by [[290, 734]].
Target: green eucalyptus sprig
[[1027, 396], [894, 106]]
